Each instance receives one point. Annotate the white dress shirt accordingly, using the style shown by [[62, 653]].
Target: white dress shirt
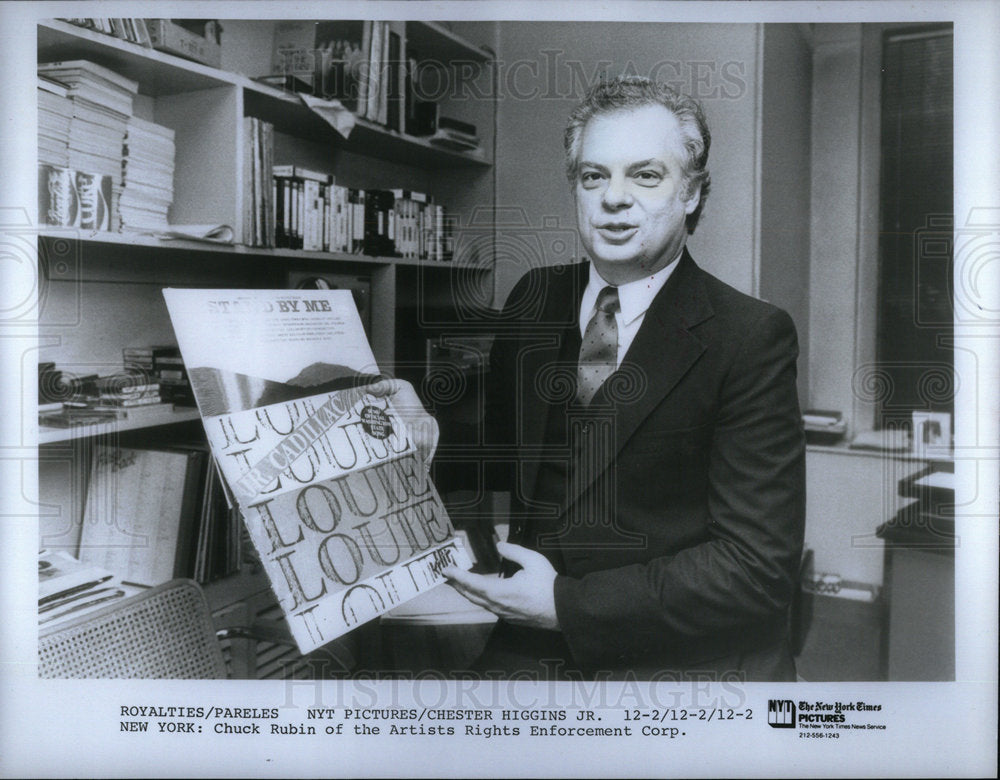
[[634, 298]]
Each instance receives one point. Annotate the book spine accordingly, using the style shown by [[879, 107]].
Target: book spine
[[410, 78], [267, 184], [327, 217], [286, 213], [397, 238], [248, 181], [358, 220], [369, 221], [374, 73], [279, 221], [365, 74], [307, 215], [317, 204], [300, 207], [295, 215], [395, 91], [342, 234], [193, 489], [315, 216], [384, 77], [438, 232]]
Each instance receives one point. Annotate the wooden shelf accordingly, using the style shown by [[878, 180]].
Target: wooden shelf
[[290, 116], [438, 42], [157, 73], [97, 239], [161, 417], [341, 257]]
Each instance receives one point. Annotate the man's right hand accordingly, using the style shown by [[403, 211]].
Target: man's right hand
[[423, 428]]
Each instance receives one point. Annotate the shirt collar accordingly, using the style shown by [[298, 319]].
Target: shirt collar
[[634, 297]]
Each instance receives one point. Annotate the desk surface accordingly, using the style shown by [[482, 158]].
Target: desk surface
[[440, 606]]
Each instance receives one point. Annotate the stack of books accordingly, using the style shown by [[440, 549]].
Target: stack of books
[[55, 111], [448, 139], [162, 364], [148, 166], [125, 391], [72, 414], [57, 386], [99, 399], [152, 379], [453, 134], [102, 105]]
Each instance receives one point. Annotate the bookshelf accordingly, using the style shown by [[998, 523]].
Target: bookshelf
[[161, 417], [100, 291], [108, 242], [434, 37], [287, 113]]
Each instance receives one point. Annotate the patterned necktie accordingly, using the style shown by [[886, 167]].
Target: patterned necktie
[[599, 351]]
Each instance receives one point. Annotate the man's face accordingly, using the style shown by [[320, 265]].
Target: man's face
[[631, 201]]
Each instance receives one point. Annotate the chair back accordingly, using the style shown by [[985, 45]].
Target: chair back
[[163, 633]]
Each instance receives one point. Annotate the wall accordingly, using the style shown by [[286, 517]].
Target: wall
[[784, 179], [542, 70], [844, 222]]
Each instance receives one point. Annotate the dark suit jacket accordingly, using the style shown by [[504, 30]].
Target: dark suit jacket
[[673, 505]]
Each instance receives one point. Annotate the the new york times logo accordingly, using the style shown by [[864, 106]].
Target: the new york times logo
[[781, 713]]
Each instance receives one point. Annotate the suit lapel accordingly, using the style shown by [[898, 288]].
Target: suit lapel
[[557, 336], [663, 351]]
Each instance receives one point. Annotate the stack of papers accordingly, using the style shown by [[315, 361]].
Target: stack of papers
[[55, 111], [68, 588], [213, 234], [102, 105], [823, 427], [148, 176]]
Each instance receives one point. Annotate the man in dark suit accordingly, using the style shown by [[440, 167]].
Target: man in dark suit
[[658, 491]]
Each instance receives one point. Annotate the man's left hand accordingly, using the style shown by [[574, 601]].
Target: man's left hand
[[526, 599], [423, 429]]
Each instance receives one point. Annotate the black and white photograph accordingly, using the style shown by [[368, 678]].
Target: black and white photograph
[[477, 389]]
